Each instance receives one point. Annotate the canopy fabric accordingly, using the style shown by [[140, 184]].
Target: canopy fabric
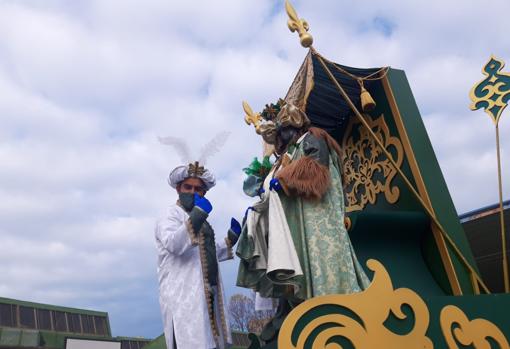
[[313, 91]]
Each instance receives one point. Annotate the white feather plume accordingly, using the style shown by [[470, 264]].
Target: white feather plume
[[213, 146], [180, 147]]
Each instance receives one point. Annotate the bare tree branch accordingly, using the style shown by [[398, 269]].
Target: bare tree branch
[[243, 316]]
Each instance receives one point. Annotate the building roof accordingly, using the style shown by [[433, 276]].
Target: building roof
[[482, 212], [483, 230], [52, 307]]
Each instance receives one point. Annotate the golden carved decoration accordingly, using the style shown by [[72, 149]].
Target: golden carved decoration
[[372, 308], [195, 170], [361, 318], [492, 93], [298, 24], [472, 333], [367, 171], [252, 118]]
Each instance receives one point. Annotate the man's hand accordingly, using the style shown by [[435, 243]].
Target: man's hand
[[275, 185], [234, 232], [203, 203]]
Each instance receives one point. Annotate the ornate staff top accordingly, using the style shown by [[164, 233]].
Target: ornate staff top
[[298, 24], [252, 118], [493, 92]]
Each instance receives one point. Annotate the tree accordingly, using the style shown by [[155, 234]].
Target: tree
[[241, 310], [244, 317]]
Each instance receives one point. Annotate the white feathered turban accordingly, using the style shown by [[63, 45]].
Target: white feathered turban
[[180, 173], [195, 169]]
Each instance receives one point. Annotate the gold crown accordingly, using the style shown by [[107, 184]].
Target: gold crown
[[195, 170]]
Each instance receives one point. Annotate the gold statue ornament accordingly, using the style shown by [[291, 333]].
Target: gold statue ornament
[[252, 118]]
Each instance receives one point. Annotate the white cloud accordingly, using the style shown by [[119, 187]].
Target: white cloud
[[87, 86]]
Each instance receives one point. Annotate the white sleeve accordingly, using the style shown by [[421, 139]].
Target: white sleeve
[[175, 234]]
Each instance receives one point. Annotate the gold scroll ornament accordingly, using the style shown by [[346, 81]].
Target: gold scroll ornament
[[366, 330], [473, 333], [364, 314], [367, 171]]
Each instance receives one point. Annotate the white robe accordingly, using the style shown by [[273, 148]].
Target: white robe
[[181, 285]]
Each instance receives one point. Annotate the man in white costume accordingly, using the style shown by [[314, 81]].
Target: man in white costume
[[191, 292]]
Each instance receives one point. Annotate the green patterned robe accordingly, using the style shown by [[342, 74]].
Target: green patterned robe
[[321, 241]]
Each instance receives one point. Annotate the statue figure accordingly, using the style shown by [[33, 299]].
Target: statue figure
[[294, 244]]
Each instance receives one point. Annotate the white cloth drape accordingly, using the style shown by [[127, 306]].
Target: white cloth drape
[[268, 220]]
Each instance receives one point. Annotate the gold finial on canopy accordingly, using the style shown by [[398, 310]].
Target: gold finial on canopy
[[251, 118], [298, 24]]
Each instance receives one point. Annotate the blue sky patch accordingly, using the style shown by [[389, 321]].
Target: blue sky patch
[[384, 26]]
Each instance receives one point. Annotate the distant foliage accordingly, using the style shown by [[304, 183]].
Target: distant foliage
[[243, 316]]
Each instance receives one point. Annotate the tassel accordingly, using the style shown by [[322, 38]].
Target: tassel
[[367, 102]]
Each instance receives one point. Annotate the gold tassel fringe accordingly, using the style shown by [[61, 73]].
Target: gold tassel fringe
[[367, 102]]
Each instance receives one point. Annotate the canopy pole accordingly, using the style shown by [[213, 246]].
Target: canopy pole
[[502, 217]]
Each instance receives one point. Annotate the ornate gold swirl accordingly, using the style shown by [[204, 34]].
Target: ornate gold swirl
[[493, 92], [365, 327], [362, 319], [472, 333], [367, 171]]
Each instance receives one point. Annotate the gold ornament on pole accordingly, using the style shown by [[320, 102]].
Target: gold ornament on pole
[[255, 119], [367, 102], [252, 118], [493, 94], [298, 24]]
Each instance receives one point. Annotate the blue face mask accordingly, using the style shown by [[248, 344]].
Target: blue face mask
[[187, 200]]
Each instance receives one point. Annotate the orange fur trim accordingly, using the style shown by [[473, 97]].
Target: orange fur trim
[[306, 178]]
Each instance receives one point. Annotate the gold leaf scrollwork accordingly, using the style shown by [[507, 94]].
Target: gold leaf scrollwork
[[367, 172], [366, 329], [472, 333], [326, 322]]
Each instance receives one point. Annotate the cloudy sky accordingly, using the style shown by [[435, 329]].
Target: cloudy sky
[[86, 86]]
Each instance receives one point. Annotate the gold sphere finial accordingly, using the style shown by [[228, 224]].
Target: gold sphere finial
[[298, 24]]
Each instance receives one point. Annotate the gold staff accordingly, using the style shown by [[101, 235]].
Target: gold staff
[[492, 94]]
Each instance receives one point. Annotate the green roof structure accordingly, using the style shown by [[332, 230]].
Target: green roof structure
[[35, 325]]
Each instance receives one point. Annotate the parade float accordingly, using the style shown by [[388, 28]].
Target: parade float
[[426, 290]]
